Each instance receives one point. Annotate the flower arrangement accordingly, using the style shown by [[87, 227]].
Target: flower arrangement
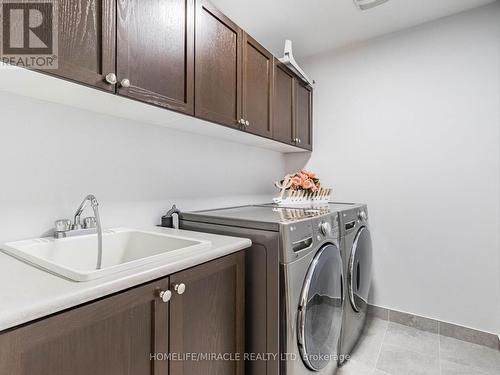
[[301, 180], [301, 187]]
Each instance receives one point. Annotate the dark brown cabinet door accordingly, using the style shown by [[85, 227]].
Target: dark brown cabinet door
[[218, 66], [86, 41], [284, 104], [257, 87], [303, 114], [155, 52], [114, 336], [209, 316]]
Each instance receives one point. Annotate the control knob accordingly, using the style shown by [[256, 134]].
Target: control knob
[[325, 228], [362, 215]]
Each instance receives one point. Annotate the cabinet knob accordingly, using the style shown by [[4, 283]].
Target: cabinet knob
[[242, 121], [125, 83], [111, 78], [180, 288], [299, 140], [247, 123], [165, 295]]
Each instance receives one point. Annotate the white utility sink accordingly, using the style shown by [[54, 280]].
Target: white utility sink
[[122, 249]]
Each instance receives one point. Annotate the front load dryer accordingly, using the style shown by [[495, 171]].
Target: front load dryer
[[357, 246]]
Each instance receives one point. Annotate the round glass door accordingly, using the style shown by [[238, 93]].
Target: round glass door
[[360, 270], [320, 309]]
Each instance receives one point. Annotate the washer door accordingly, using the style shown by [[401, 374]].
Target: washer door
[[360, 270], [320, 309]]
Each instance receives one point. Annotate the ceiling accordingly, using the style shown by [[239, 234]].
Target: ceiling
[[316, 26]]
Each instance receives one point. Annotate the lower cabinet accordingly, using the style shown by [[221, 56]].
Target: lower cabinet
[[135, 332], [208, 318]]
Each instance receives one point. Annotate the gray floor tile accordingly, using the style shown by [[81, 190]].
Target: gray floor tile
[[467, 334], [397, 360], [414, 321], [354, 368], [378, 312], [368, 347], [374, 328], [379, 372], [451, 368], [474, 356], [412, 339]]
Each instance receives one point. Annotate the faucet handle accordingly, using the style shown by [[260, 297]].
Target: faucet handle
[[63, 225], [89, 222], [77, 224]]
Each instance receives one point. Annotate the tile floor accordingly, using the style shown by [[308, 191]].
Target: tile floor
[[388, 348]]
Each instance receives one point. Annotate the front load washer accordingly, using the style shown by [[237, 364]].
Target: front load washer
[[294, 284], [357, 245], [312, 287]]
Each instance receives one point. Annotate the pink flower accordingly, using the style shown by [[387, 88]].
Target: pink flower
[[302, 179], [303, 176], [308, 173], [308, 184], [296, 182]]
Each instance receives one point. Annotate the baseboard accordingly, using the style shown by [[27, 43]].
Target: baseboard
[[435, 326]]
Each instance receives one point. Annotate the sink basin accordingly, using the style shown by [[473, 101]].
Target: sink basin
[[123, 249]]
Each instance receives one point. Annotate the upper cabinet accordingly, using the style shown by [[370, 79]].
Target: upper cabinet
[[155, 55], [257, 88], [303, 114], [283, 109], [292, 108], [86, 41], [218, 66], [186, 56]]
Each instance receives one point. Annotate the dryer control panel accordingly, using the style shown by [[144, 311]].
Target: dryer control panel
[[300, 237]]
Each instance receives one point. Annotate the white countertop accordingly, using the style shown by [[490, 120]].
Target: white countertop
[[28, 293]]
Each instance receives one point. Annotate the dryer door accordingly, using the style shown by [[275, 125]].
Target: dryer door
[[360, 270], [320, 309]]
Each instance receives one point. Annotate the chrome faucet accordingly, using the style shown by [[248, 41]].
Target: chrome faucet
[[66, 228]]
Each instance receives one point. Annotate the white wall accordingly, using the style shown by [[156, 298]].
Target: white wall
[[51, 156], [409, 123]]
